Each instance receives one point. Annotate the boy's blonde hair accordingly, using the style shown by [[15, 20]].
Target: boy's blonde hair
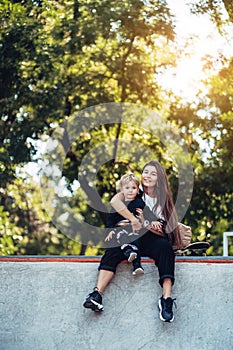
[[127, 178]]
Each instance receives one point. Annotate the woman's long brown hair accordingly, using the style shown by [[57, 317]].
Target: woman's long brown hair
[[164, 197]]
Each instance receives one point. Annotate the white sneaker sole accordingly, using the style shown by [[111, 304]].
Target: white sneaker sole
[[93, 305], [138, 272], [132, 257]]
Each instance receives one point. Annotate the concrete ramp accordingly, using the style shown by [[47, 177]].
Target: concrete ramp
[[41, 306]]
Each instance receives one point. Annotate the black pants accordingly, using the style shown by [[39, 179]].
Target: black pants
[[152, 246]]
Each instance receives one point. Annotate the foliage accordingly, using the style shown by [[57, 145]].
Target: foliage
[[57, 58], [210, 212], [217, 10]]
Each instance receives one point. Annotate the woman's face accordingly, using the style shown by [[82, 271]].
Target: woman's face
[[149, 176]]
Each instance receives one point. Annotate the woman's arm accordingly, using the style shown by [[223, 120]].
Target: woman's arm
[[118, 204]]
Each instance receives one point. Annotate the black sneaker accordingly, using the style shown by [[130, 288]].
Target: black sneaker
[[137, 268], [165, 307], [94, 301]]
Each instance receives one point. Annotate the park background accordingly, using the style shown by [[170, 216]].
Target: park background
[[59, 57]]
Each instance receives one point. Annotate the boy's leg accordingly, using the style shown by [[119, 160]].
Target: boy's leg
[[130, 252], [137, 267], [129, 248]]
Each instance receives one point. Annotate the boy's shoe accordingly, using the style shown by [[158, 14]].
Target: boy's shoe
[[165, 308], [130, 254], [138, 271], [94, 301], [137, 268]]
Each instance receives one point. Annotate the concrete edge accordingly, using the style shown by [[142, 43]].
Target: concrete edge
[[96, 259]]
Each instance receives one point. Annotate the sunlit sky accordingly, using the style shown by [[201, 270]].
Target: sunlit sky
[[203, 39]]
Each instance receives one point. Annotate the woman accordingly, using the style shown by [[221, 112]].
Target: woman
[[156, 243]]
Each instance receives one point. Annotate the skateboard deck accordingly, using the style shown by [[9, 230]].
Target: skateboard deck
[[196, 248]]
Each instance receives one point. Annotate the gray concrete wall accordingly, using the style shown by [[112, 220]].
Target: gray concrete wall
[[41, 308]]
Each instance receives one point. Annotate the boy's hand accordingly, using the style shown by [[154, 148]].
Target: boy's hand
[[109, 236], [136, 225]]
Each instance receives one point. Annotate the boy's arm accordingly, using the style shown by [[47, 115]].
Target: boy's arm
[[118, 204]]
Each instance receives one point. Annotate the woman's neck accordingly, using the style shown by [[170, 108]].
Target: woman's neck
[[149, 191]]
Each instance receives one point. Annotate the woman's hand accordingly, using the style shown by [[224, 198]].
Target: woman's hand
[[156, 225], [109, 236]]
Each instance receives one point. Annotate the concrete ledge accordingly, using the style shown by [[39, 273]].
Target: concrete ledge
[[80, 259], [41, 306]]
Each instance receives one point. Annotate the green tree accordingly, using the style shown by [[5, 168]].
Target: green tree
[[57, 58], [217, 11], [207, 125]]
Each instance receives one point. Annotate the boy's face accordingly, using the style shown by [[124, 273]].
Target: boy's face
[[130, 190]]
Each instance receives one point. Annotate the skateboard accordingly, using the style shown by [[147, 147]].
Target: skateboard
[[194, 249]]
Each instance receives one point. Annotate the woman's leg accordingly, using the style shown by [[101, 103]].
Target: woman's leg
[[107, 268], [160, 250], [167, 288], [103, 279]]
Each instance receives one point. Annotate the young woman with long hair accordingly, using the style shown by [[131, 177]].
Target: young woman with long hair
[[156, 239]]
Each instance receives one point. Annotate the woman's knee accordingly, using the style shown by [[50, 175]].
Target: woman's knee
[[111, 259], [165, 246]]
